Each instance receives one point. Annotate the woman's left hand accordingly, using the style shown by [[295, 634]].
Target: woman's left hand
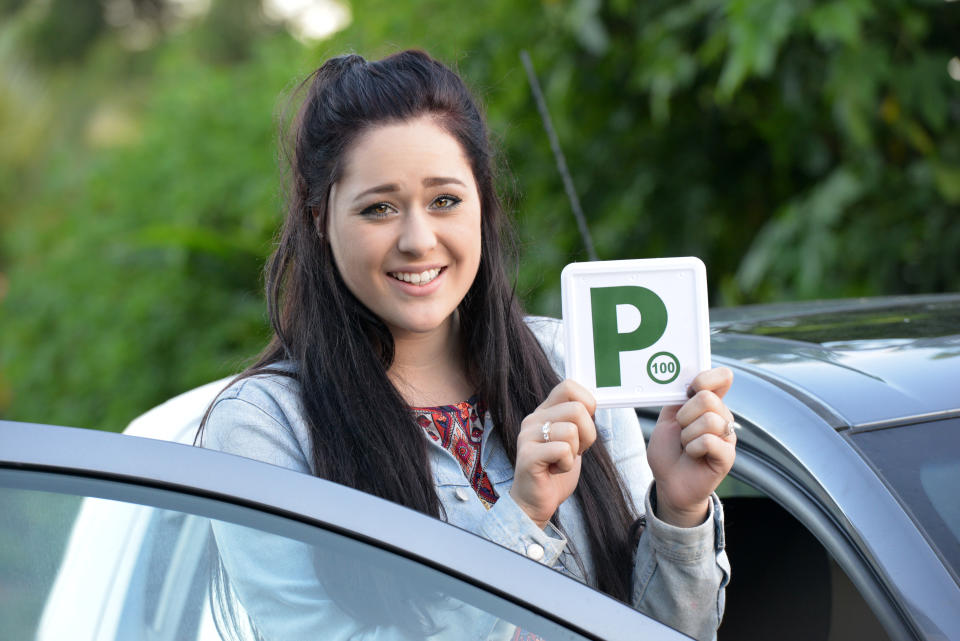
[[692, 449]]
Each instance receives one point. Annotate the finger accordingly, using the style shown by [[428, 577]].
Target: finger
[[566, 463], [572, 412], [707, 423], [703, 402], [718, 452], [570, 390], [668, 413], [555, 457], [555, 432], [668, 427], [717, 380]]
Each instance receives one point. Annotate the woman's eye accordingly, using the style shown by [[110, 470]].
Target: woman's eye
[[446, 202], [379, 210]]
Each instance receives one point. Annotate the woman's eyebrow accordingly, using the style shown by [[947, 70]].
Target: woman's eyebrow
[[386, 188], [437, 181]]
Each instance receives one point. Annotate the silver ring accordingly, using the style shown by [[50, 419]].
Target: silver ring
[[545, 430], [732, 426]]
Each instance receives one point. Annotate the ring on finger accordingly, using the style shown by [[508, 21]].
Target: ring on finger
[[545, 431], [732, 426]]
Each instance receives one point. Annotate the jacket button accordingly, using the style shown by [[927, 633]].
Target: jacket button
[[461, 494], [535, 551]]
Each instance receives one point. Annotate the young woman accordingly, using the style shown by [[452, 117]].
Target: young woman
[[402, 365]]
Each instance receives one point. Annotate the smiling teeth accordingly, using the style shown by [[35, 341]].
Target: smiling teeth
[[417, 279]]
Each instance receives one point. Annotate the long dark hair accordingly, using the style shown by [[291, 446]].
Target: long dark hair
[[362, 432]]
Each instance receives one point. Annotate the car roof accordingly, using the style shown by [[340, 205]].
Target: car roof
[[178, 418], [869, 362]]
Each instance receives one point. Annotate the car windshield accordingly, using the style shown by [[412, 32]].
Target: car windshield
[[920, 463], [909, 321], [102, 560]]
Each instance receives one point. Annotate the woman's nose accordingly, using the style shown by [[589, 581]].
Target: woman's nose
[[417, 236]]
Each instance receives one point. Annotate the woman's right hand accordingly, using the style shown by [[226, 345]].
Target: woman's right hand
[[547, 472]]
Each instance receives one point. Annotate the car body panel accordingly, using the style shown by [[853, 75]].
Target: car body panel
[[789, 393], [154, 466], [786, 432], [865, 362]]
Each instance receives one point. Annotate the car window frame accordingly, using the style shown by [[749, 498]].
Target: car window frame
[[794, 432], [855, 437], [771, 478], [74, 460], [759, 473]]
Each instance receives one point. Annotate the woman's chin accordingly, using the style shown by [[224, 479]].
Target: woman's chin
[[420, 327]]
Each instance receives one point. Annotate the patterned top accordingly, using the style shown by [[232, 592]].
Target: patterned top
[[459, 429]]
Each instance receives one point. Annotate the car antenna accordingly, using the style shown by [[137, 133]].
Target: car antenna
[[558, 155]]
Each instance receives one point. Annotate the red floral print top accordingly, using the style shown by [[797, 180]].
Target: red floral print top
[[459, 429]]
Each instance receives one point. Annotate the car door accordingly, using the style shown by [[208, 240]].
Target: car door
[[820, 549], [108, 537]]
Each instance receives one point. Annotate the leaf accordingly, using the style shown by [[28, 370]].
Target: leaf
[[758, 28], [798, 244], [839, 21], [854, 79], [948, 181], [587, 27]]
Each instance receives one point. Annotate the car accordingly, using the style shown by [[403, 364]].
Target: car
[[108, 537], [843, 510], [842, 516]]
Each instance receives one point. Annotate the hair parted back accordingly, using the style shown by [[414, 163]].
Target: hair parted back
[[363, 433]]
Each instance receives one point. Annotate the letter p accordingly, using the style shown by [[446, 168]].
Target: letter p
[[608, 342]]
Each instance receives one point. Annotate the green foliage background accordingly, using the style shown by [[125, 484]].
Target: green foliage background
[[803, 149]]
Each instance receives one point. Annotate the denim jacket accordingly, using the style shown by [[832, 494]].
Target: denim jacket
[[679, 574]]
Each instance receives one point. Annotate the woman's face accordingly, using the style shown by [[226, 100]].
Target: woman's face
[[404, 225]]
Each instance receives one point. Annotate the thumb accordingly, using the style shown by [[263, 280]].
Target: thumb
[[665, 440], [669, 413]]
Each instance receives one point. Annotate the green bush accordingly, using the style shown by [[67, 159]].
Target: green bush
[[802, 149]]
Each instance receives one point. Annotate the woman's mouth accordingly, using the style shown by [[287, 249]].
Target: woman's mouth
[[418, 278]]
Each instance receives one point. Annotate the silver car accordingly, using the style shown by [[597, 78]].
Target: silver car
[[107, 537], [843, 515]]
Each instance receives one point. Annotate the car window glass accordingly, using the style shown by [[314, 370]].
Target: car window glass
[[785, 584], [33, 533], [940, 482], [86, 567], [921, 464], [733, 487]]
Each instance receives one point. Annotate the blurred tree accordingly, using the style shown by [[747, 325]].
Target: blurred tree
[[147, 231], [232, 29], [64, 31], [11, 7], [802, 148]]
